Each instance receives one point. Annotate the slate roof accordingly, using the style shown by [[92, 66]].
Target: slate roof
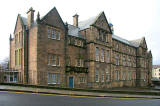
[[86, 23], [74, 31], [137, 42], [24, 19], [134, 43]]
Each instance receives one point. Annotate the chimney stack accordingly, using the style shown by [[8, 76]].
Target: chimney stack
[[30, 17], [75, 20]]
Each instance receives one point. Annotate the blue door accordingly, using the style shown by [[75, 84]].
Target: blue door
[[71, 82]]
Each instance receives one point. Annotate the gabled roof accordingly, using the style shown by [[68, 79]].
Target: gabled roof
[[87, 23], [136, 42], [53, 18]]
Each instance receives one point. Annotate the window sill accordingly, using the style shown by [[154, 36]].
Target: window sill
[[54, 65], [53, 83]]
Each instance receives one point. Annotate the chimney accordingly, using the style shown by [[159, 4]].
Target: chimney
[[75, 20], [30, 17]]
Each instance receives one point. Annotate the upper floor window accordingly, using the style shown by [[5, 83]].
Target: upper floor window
[[134, 62], [53, 60], [80, 63], [124, 60], [117, 46], [53, 33], [102, 36], [102, 55], [107, 56], [124, 76], [117, 60], [97, 54], [129, 61], [49, 33]]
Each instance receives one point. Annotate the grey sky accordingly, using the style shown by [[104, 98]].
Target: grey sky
[[132, 19]]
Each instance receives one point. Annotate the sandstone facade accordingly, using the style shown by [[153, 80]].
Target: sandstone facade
[[86, 54]]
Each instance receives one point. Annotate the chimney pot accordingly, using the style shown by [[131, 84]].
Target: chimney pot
[[75, 20]]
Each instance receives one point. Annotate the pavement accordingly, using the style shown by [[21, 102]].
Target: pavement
[[79, 93]]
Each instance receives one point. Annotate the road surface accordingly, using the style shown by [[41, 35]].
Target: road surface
[[29, 99]]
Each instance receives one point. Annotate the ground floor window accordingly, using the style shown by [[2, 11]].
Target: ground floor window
[[124, 75], [97, 76], [82, 79], [102, 77], [107, 76], [53, 78], [117, 75]]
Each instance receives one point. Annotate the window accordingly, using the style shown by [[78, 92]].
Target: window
[[49, 33], [19, 39], [107, 56], [106, 38], [129, 61], [134, 62], [129, 76], [82, 43], [53, 78], [53, 60], [75, 41], [117, 75], [79, 42], [97, 54], [58, 63], [15, 57], [102, 77], [68, 61], [117, 59], [80, 63], [107, 76], [124, 60], [69, 40], [53, 34], [102, 55], [82, 79], [124, 75], [117, 46], [58, 35], [97, 76]]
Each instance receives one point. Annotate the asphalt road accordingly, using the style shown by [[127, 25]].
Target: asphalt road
[[28, 99]]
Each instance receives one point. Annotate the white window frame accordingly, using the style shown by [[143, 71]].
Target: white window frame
[[97, 54], [58, 35], [102, 55], [102, 76], [53, 34], [53, 78], [107, 56], [97, 75]]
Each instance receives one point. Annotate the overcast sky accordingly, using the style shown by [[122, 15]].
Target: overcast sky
[[132, 19]]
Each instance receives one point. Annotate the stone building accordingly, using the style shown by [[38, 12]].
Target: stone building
[[156, 72], [86, 54]]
